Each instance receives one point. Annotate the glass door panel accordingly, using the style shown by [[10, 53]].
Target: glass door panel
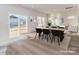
[[23, 25], [14, 31]]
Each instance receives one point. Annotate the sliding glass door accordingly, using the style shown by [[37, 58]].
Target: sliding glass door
[[18, 25]]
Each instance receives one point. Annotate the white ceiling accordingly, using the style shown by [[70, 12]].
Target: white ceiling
[[49, 8]]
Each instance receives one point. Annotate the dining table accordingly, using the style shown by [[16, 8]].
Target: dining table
[[61, 30]]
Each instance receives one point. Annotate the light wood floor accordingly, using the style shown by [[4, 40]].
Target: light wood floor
[[32, 46]]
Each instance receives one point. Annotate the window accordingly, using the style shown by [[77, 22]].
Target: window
[[40, 21]]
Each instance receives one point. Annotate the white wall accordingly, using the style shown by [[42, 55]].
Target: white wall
[[70, 12], [4, 20]]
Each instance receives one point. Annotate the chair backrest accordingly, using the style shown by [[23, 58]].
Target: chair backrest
[[53, 27], [38, 30], [55, 32], [46, 31]]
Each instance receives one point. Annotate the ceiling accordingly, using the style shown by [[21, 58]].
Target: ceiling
[[50, 8]]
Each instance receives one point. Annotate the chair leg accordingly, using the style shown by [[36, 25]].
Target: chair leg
[[54, 38], [35, 35], [42, 36], [39, 35], [47, 38], [51, 40], [58, 41], [50, 37]]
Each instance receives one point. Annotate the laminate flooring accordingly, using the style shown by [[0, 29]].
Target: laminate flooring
[[32, 46]]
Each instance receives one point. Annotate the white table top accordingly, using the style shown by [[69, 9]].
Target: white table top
[[59, 29]]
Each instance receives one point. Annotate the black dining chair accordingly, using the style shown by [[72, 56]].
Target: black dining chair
[[46, 34], [61, 36], [38, 31], [55, 33]]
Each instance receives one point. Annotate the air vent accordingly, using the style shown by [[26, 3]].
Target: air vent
[[68, 7]]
